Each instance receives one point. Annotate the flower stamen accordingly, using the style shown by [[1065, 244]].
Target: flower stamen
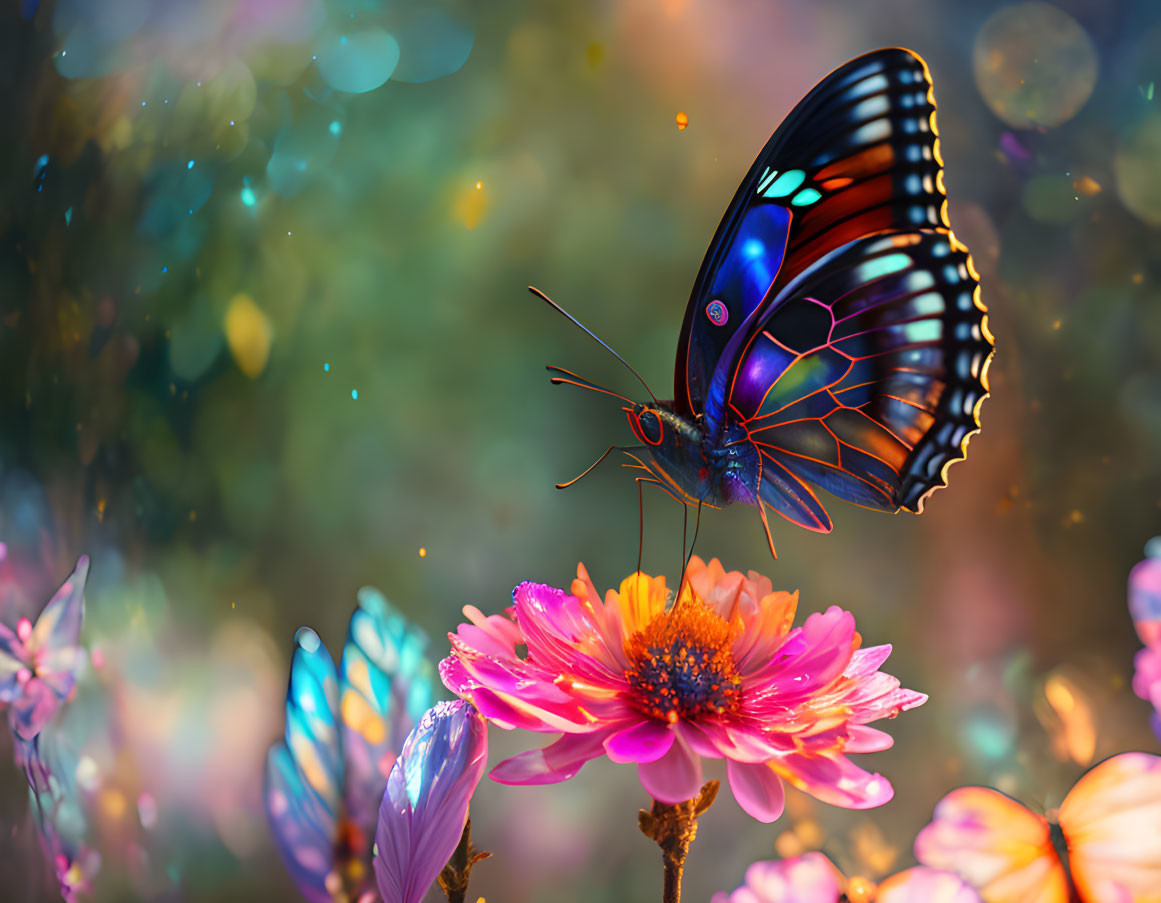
[[682, 664]]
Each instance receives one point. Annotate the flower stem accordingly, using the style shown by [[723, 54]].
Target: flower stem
[[673, 828], [454, 877]]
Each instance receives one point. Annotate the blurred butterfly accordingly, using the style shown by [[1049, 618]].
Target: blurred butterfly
[[812, 878], [38, 663], [1145, 608], [50, 765], [1102, 846], [344, 729], [835, 335]]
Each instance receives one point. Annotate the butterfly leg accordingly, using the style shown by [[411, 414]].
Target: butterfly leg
[[766, 527], [693, 545], [641, 509], [640, 523], [684, 528]]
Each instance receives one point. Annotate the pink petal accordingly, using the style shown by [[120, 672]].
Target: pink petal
[[562, 634], [646, 741], [675, 777], [863, 739], [835, 780], [868, 660], [557, 762], [757, 789], [733, 739]]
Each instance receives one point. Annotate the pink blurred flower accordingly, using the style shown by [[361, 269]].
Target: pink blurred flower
[[812, 878], [425, 804], [38, 663], [720, 673], [1145, 608]]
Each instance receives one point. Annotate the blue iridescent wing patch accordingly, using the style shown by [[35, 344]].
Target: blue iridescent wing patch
[[305, 772], [866, 373], [858, 155], [387, 685]]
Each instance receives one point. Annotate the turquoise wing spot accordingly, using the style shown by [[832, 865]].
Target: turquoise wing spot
[[768, 176], [805, 198], [785, 183]]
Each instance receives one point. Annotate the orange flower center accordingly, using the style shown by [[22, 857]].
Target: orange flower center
[[682, 665]]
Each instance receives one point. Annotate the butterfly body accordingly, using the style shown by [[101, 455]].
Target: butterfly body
[[344, 728], [835, 337], [692, 465]]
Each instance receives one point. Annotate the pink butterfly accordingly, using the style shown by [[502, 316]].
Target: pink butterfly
[[38, 662], [1102, 846]]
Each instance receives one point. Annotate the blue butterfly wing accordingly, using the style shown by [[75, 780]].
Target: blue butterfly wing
[[858, 155], [305, 773], [387, 685], [866, 374]]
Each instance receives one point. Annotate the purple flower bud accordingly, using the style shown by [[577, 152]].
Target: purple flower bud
[[425, 804]]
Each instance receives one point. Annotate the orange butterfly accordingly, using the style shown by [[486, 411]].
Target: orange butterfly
[[1108, 831]]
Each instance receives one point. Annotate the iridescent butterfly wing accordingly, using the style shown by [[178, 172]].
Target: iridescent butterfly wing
[[387, 685], [38, 669], [1111, 821], [54, 798], [997, 845], [305, 774], [858, 157], [866, 376]]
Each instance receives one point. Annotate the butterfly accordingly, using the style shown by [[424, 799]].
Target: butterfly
[[1145, 608], [344, 730], [835, 335], [38, 662], [813, 878], [50, 764], [1102, 846]]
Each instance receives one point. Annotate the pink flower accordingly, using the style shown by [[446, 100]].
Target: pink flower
[[1145, 608], [812, 878], [720, 674]]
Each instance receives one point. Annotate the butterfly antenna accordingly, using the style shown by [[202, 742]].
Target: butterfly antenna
[[587, 470], [577, 323], [568, 378]]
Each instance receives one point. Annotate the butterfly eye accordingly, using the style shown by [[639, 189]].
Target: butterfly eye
[[647, 427], [718, 313]]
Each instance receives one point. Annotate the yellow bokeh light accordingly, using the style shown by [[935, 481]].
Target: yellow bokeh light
[[248, 335]]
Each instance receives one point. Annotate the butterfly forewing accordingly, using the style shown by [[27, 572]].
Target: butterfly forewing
[[858, 155], [305, 773], [999, 846]]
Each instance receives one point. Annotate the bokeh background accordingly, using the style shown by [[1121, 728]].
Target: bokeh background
[[264, 338]]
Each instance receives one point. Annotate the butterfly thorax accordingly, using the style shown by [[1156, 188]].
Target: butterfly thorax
[[692, 465], [352, 873]]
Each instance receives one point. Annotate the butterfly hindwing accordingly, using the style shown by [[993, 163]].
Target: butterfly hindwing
[[865, 374], [1111, 820], [858, 155], [305, 773], [386, 686]]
